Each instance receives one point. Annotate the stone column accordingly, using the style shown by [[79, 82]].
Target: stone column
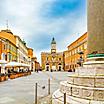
[[95, 26], [86, 86]]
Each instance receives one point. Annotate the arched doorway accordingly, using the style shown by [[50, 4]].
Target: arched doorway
[[59, 67], [47, 67]]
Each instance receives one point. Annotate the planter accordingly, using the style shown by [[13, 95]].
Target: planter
[[6, 77], [19, 74], [3, 77], [29, 73], [12, 76]]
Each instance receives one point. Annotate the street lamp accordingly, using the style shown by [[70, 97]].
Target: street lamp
[[80, 60]]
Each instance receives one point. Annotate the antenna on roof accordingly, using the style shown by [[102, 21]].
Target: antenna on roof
[[7, 24]]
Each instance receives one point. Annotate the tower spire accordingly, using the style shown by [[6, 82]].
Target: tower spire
[[53, 41]]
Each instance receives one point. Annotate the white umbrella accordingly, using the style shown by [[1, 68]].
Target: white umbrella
[[25, 65], [13, 64]]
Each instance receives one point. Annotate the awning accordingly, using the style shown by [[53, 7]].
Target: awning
[[16, 64], [25, 65], [12, 64]]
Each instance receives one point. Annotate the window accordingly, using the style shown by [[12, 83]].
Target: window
[[53, 58], [3, 56], [47, 58], [10, 56], [70, 54], [4, 46], [9, 47], [85, 46], [75, 51], [6, 57], [78, 49], [59, 59]]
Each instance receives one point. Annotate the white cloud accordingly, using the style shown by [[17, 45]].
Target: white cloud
[[25, 20]]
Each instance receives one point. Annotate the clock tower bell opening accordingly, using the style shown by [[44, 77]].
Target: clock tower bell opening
[[53, 45]]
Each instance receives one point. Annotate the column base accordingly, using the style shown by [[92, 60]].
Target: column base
[[56, 99]]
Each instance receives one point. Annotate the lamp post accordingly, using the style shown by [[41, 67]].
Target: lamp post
[[43, 87], [80, 60]]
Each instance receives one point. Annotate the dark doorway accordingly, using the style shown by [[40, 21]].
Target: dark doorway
[[47, 68], [59, 68]]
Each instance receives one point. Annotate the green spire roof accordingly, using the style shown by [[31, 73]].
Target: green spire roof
[[53, 41]]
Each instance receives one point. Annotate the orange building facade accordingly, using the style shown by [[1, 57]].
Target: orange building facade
[[8, 49], [30, 52], [35, 64], [30, 56], [13, 48], [76, 53]]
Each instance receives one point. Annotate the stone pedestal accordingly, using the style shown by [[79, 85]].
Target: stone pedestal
[[86, 86]]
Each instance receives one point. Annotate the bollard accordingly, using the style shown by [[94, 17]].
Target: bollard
[[49, 86], [64, 98], [36, 102]]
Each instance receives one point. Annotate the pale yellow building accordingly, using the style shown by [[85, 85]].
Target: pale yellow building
[[52, 61], [76, 53], [22, 51]]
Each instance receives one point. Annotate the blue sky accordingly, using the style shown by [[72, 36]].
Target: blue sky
[[37, 21]]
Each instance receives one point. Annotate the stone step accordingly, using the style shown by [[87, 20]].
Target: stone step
[[56, 99], [90, 93], [91, 68], [88, 81]]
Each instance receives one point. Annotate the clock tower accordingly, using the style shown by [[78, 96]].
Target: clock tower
[[53, 46]]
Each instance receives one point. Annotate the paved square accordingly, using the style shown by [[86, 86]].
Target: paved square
[[21, 90]]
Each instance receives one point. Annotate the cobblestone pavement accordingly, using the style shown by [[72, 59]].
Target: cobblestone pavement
[[21, 90]]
